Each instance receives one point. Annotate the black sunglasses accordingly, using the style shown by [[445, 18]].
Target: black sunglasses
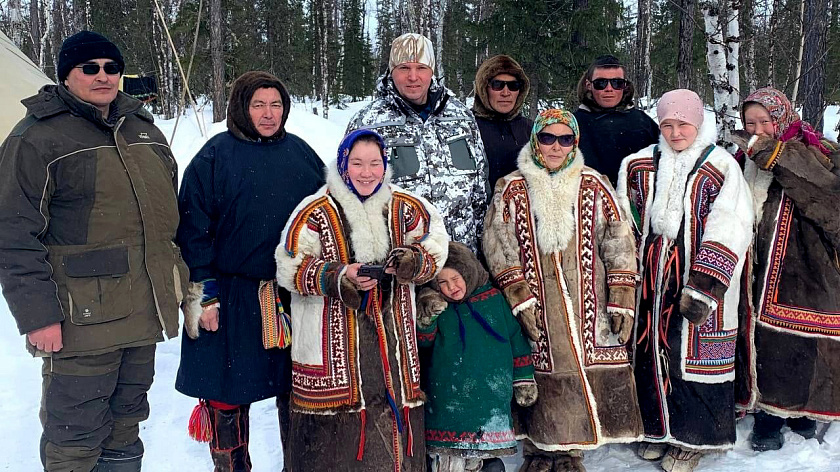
[[617, 83], [548, 139], [512, 85], [92, 68]]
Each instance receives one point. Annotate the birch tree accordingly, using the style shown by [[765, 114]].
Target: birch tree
[[722, 50]]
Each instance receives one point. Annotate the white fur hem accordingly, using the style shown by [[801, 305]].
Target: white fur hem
[[522, 306], [784, 413], [585, 447], [690, 447]]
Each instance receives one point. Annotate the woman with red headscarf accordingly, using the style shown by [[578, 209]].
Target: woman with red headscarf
[[793, 350]]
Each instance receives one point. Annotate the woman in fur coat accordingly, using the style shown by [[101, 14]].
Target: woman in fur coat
[[356, 399], [794, 332], [563, 254], [693, 215]]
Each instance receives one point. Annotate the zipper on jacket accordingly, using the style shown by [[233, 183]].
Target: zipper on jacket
[[145, 233]]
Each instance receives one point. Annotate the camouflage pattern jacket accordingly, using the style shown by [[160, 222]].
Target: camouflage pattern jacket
[[441, 159]]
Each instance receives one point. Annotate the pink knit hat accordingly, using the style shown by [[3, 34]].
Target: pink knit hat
[[681, 104]]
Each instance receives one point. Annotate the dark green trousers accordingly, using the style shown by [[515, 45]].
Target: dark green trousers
[[92, 406]]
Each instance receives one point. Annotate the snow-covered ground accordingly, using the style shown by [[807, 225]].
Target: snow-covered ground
[[169, 449]]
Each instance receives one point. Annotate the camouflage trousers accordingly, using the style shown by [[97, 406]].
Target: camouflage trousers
[[92, 406]]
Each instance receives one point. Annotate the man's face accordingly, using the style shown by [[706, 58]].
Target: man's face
[[502, 101], [608, 97], [266, 111], [412, 80], [99, 89]]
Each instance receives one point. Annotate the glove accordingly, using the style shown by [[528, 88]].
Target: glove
[[430, 304], [621, 323], [349, 294], [525, 395], [405, 263], [693, 308], [528, 321]]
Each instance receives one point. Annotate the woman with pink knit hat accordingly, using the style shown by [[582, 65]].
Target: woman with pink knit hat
[[693, 216]]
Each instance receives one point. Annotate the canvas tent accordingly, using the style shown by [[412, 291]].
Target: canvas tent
[[19, 78]]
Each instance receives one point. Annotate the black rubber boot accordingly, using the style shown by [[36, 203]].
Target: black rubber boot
[[229, 446], [805, 427], [493, 465], [767, 432]]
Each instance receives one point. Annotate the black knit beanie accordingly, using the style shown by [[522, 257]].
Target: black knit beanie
[[84, 46]]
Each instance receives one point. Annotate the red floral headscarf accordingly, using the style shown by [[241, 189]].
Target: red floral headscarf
[[787, 124]]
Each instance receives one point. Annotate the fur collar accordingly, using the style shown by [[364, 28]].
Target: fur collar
[[368, 232], [759, 181], [666, 212], [553, 199]]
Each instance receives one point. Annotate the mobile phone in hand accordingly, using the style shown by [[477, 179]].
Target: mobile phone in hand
[[375, 272]]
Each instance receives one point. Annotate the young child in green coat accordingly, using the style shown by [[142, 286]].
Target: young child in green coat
[[480, 360]]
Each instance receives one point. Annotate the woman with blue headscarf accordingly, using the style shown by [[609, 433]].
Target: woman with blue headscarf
[[563, 254], [351, 255]]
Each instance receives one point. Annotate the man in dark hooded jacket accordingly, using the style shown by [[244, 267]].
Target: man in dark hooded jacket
[[87, 260], [501, 88], [237, 194], [611, 128]]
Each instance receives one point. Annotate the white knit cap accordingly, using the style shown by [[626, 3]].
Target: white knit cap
[[411, 47]]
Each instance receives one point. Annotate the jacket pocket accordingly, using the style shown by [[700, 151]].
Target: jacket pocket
[[404, 161], [459, 149], [98, 286]]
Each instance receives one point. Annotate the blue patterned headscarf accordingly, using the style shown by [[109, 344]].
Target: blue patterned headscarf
[[344, 157]]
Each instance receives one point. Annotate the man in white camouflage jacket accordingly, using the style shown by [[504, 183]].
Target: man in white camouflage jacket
[[433, 141]]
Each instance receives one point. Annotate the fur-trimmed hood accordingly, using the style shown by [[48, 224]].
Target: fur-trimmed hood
[[239, 120], [369, 237], [490, 68], [666, 213], [553, 198], [464, 261]]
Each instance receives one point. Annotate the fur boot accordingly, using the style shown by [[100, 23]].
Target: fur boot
[[680, 460], [118, 465], [229, 446]]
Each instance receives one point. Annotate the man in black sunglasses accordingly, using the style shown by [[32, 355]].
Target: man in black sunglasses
[[611, 128], [88, 215]]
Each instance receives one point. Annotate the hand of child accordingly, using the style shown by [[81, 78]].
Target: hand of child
[[430, 304], [528, 321], [525, 395]]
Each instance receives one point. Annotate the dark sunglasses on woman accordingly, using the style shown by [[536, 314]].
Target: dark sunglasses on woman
[[512, 85], [92, 68], [617, 83], [548, 139]]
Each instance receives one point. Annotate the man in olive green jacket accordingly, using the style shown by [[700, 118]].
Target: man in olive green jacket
[[88, 214]]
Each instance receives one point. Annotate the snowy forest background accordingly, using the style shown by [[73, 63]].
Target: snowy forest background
[[331, 51]]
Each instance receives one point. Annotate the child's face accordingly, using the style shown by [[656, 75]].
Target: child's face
[[679, 134], [451, 284]]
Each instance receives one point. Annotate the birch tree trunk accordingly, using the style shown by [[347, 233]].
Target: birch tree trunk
[[217, 58], [685, 55], [46, 46], [16, 23], [439, 15], [798, 76], [814, 61], [642, 59], [749, 30], [722, 59]]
